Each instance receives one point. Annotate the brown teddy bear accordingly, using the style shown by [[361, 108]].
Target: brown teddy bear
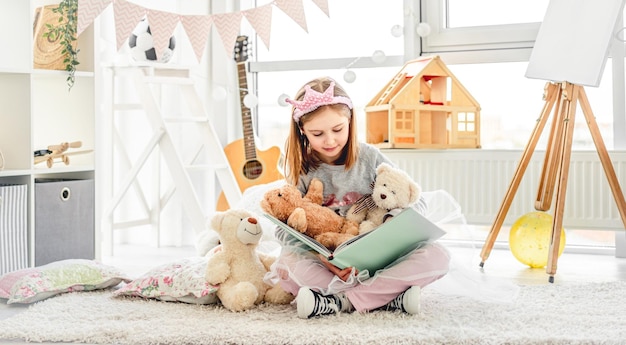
[[237, 266], [392, 189], [307, 215]]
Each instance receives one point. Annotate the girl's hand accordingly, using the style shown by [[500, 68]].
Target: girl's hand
[[343, 274]]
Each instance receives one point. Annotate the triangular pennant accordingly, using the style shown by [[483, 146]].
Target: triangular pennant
[[127, 15], [197, 28], [323, 5], [88, 10], [295, 10], [261, 20], [227, 26], [162, 25]]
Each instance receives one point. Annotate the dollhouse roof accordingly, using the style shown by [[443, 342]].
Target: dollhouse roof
[[406, 86]]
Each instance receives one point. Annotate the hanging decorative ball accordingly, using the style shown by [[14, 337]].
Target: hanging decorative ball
[[349, 76], [282, 100], [530, 236], [379, 57], [423, 29], [397, 30], [250, 100]]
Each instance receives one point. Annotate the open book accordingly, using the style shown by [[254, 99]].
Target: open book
[[378, 248]]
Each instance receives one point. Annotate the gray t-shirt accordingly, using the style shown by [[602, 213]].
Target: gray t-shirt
[[342, 188]]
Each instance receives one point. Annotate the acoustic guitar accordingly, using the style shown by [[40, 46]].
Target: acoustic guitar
[[250, 165]]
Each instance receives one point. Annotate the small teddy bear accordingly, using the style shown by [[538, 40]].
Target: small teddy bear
[[307, 215], [392, 189], [237, 266]]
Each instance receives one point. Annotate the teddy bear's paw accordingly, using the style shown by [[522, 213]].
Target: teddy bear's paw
[[331, 240], [315, 193], [277, 295], [240, 297], [216, 273], [354, 216], [366, 226], [350, 228], [297, 220]]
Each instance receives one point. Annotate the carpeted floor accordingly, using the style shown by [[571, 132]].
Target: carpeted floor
[[586, 313]]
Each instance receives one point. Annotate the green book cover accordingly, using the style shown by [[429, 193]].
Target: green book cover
[[378, 248]]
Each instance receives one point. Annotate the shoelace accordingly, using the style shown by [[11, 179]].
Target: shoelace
[[324, 305], [396, 303]]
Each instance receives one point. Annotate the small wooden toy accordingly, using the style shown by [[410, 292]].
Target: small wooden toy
[[59, 152]]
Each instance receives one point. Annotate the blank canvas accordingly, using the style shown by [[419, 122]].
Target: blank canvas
[[574, 40]]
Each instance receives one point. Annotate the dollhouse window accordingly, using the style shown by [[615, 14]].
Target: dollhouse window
[[466, 122]]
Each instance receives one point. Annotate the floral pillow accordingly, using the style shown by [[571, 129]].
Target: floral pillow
[[35, 284], [179, 281]]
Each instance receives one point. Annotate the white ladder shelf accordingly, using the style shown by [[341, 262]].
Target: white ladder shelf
[[146, 81]]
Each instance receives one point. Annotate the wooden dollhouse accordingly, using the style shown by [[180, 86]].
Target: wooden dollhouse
[[423, 106]]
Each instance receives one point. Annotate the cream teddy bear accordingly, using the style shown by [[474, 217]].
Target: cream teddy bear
[[237, 266], [393, 189]]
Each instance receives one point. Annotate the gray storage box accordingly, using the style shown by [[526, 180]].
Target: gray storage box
[[64, 220], [13, 228]]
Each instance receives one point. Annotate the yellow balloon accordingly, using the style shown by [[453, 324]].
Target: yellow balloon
[[530, 236]]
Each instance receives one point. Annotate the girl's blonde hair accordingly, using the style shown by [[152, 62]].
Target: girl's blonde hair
[[299, 157]]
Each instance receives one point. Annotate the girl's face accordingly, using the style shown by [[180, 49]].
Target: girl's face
[[327, 132]]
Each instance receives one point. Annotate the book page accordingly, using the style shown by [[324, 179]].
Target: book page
[[383, 245]]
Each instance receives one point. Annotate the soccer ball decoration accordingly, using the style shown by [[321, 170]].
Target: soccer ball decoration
[[530, 238], [142, 46]]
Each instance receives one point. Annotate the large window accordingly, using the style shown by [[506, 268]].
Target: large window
[[485, 43]]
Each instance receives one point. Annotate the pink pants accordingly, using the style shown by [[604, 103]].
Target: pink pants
[[422, 267]]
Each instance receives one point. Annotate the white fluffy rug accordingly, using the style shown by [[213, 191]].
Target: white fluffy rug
[[542, 314]]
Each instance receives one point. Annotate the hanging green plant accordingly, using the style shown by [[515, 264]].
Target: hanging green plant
[[65, 33]]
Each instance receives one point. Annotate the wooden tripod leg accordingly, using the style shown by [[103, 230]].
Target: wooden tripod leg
[[550, 95], [554, 149], [563, 173], [604, 156]]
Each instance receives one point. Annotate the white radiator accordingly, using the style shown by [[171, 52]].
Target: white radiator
[[479, 179], [13, 228]]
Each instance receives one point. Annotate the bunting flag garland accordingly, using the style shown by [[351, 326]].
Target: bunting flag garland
[[197, 27], [295, 10], [127, 15], [227, 25], [261, 21], [161, 33], [88, 10], [323, 5]]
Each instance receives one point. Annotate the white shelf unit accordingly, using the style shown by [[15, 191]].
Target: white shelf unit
[[38, 110]]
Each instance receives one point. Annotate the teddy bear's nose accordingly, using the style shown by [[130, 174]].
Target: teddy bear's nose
[[383, 196], [252, 220]]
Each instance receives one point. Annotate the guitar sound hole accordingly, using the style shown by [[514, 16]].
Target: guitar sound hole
[[252, 169]]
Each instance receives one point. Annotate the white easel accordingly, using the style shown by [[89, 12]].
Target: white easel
[[555, 171]]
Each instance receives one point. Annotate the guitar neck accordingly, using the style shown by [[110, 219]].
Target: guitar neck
[[246, 114]]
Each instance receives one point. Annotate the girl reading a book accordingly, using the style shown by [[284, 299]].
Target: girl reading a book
[[323, 144]]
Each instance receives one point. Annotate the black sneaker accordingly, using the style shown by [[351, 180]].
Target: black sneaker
[[311, 303], [408, 301]]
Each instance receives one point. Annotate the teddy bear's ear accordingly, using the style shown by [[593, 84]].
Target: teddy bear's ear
[[415, 191], [216, 221], [382, 167]]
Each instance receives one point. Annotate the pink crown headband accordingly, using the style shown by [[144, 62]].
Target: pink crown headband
[[313, 100]]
